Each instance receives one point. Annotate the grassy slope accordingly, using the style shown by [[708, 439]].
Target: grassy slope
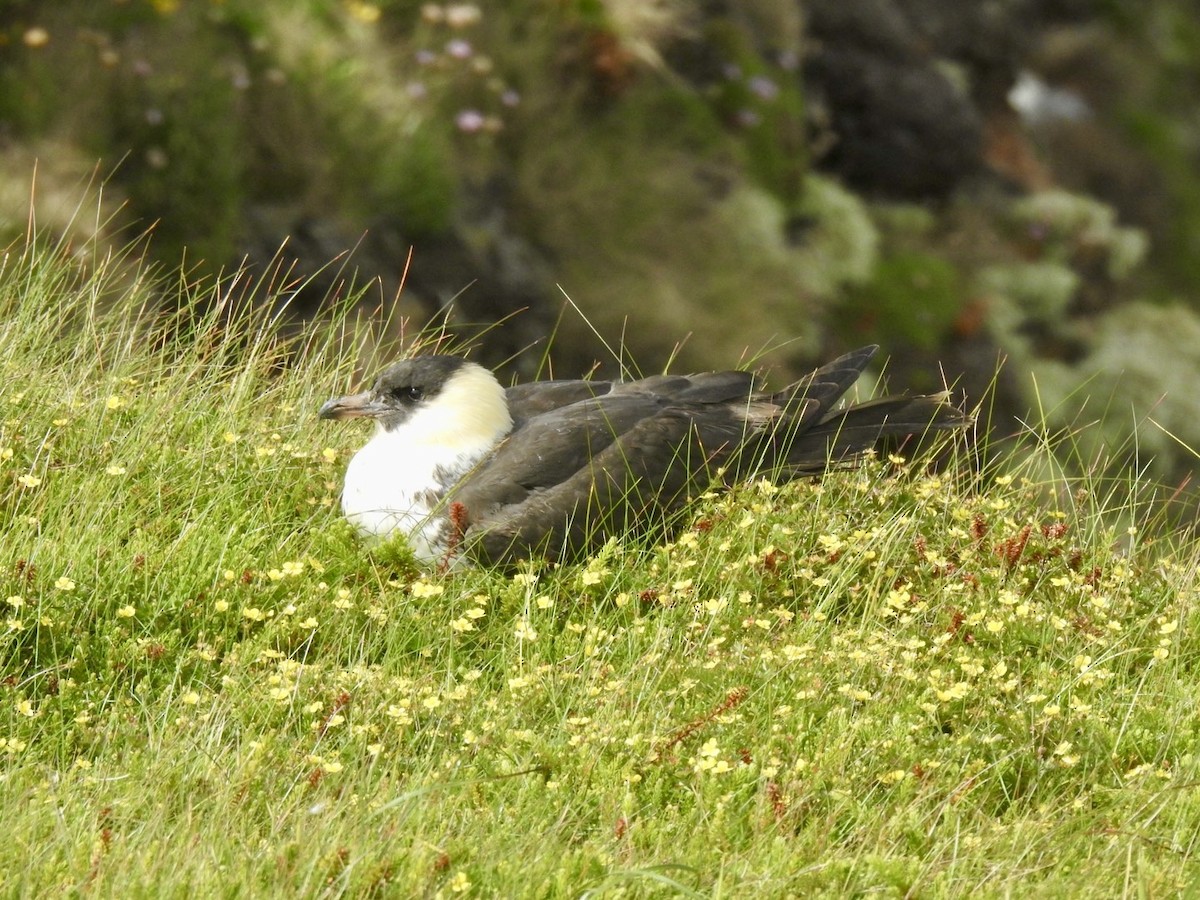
[[890, 682]]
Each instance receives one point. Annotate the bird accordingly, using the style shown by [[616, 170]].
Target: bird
[[472, 473]]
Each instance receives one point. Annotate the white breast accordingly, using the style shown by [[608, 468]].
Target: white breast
[[395, 483], [392, 487]]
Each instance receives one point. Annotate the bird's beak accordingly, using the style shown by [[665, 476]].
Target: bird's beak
[[353, 406]]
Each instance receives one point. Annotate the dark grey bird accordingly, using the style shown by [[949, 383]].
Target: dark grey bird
[[469, 470]]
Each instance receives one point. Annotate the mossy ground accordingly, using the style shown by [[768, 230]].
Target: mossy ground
[[892, 681]]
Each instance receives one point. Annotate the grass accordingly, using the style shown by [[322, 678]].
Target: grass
[[890, 682]]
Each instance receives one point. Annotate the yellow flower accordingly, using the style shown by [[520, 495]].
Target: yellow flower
[[525, 632], [126, 612], [423, 589], [460, 883], [29, 481], [35, 37], [64, 583], [221, 605], [364, 12], [115, 401], [329, 455], [115, 470], [191, 698]]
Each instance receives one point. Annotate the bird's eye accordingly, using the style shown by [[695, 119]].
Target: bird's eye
[[410, 393]]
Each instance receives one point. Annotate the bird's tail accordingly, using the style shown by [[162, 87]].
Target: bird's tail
[[811, 435], [846, 433]]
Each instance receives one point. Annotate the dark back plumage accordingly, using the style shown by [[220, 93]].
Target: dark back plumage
[[586, 460]]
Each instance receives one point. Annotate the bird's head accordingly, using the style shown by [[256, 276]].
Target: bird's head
[[442, 399]]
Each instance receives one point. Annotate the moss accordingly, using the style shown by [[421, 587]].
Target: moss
[[1140, 378], [837, 243], [1041, 291], [1067, 224], [912, 298]]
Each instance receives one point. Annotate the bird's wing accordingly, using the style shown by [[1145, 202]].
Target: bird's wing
[[638, 479], [627, 461], [552, 462], [526, 401]]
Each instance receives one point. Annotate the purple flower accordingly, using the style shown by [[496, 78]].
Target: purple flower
[[747, 118], [469, 121], [425, 57], [458, 48], [764, 87], [510, 97]]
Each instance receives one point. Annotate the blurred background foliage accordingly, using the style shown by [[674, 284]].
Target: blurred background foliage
[[769, 179]]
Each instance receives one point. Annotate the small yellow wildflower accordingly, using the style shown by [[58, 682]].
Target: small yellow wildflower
[[460, 883], [423, 589], [126, 612], [29, 481], [25, 708], [115, 470], [64, 583], [114, 401], [35, 37], [329, 455], [191, 698]]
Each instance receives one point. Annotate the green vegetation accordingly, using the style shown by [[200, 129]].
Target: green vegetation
[[892, 681]]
